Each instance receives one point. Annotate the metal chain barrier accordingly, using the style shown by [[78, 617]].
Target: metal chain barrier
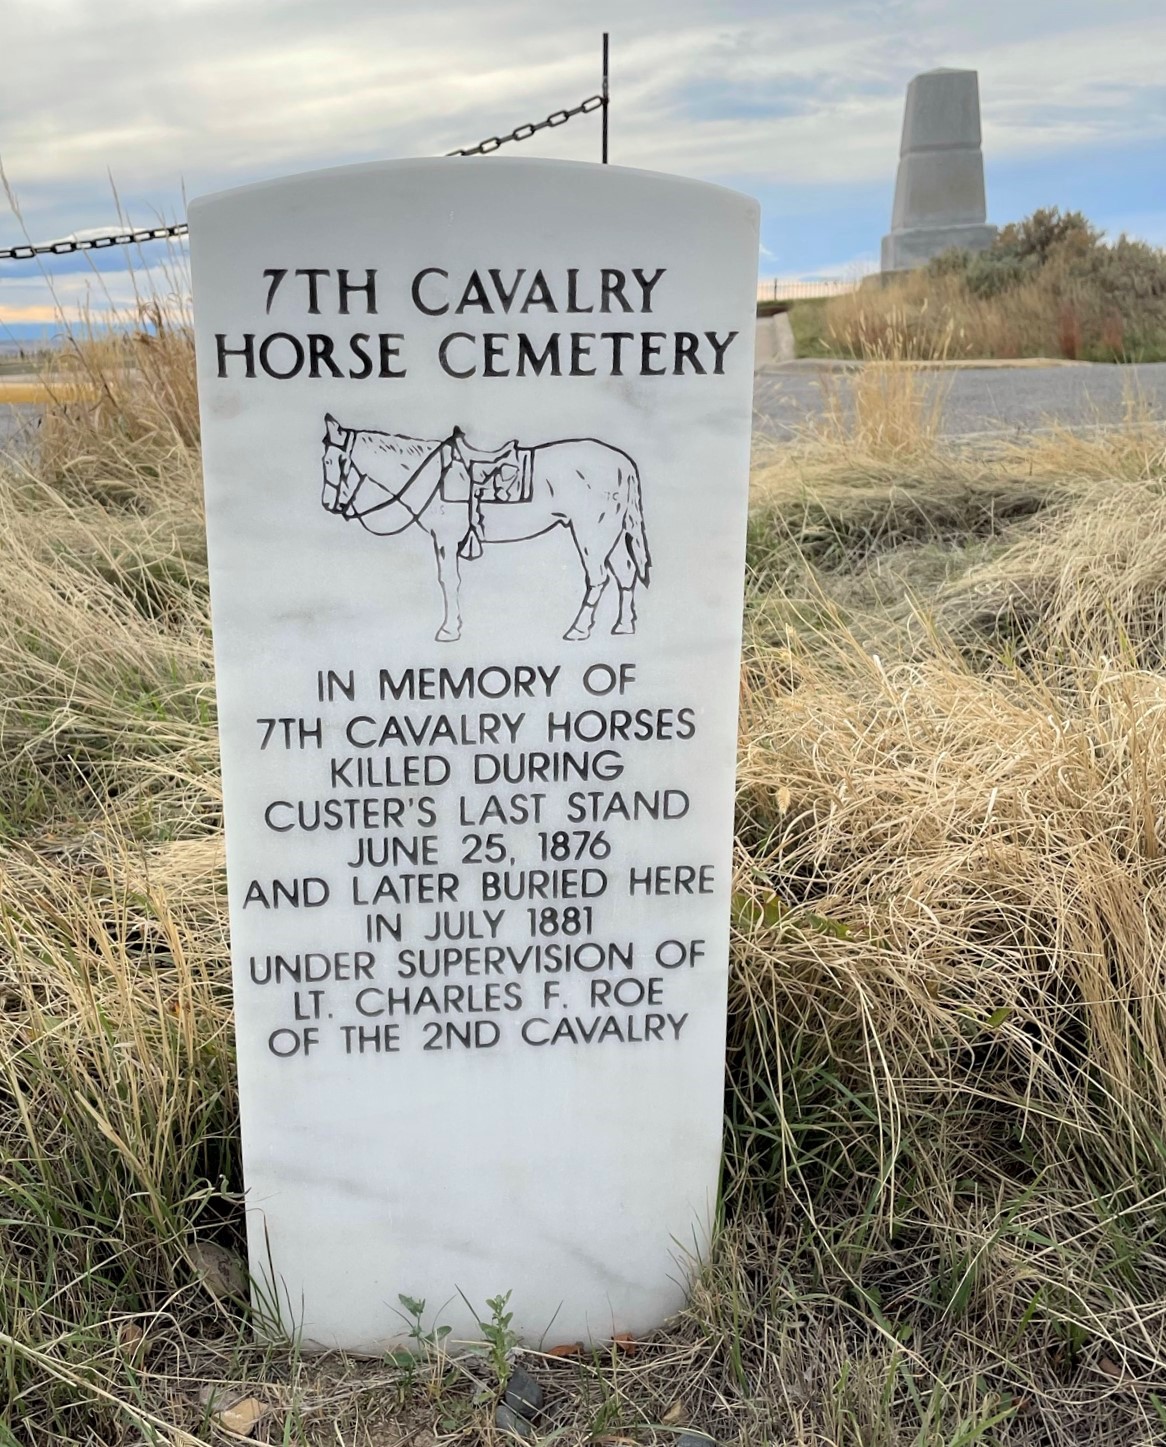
[[92, 243], [163, 233], [523, 133]]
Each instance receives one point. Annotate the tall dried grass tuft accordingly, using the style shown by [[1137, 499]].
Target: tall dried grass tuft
[[123, 395], [1088, 584], [105, 677], [949, 1024], [945, 1190], [1124, 444], [1085, 581], [117, 1112], [887, 408]]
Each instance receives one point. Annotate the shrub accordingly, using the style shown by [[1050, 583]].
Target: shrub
[[1050, 285], [1038, 236], [991, 273]]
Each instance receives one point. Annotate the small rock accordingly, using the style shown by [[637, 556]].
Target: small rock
[[567, 1349], [694, 1439], [244, 1416], [506, 1419], [523, 1393], [220, 1271]]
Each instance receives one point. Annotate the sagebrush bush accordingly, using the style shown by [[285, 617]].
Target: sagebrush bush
[[1050, 285]]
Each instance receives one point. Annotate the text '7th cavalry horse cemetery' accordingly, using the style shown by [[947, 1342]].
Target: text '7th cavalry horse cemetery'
[[464, 497]]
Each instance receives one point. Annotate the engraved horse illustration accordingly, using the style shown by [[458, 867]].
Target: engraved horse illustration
[[464, 497]]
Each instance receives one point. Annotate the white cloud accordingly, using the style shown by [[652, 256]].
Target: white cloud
[[212, 88], [212, 93]]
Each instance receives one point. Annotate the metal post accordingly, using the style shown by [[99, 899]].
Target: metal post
[[605, 98]]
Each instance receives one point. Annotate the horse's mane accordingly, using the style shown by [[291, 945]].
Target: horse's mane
[[388, 458]]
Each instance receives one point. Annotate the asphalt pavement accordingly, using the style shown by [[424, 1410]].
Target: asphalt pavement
[[977, 401]]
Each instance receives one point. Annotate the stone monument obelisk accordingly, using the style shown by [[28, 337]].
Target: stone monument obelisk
[[939, 193]]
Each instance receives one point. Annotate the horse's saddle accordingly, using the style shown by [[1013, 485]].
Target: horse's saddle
[[483, 475], [487, 475]]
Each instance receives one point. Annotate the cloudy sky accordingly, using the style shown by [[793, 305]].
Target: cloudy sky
[[108, 103]]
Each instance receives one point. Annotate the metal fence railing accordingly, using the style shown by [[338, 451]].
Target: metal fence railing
[[776, 288]]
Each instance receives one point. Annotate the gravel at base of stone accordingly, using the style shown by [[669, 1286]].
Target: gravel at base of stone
[[508, 1420], [523, 1394]]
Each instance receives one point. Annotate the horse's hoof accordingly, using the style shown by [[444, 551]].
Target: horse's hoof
[[448, 635], [575, 633], [623, 628]]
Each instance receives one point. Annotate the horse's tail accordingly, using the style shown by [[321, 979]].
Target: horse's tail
[[633, 525]]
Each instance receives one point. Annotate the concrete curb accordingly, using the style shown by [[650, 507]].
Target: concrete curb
[[774, 342]]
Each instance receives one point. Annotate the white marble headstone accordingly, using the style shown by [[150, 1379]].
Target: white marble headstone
[[476, 440]]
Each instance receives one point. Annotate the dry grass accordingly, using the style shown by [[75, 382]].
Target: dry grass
[[1129, 447], [938, 314], [945, 1188], [886, 409], [15, 393], [1087, 300], [141, 406]]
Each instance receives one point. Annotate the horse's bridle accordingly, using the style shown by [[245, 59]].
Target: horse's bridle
[[348, 467]]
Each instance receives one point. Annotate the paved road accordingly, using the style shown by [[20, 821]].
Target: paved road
[[997, 401], [990, 400]]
